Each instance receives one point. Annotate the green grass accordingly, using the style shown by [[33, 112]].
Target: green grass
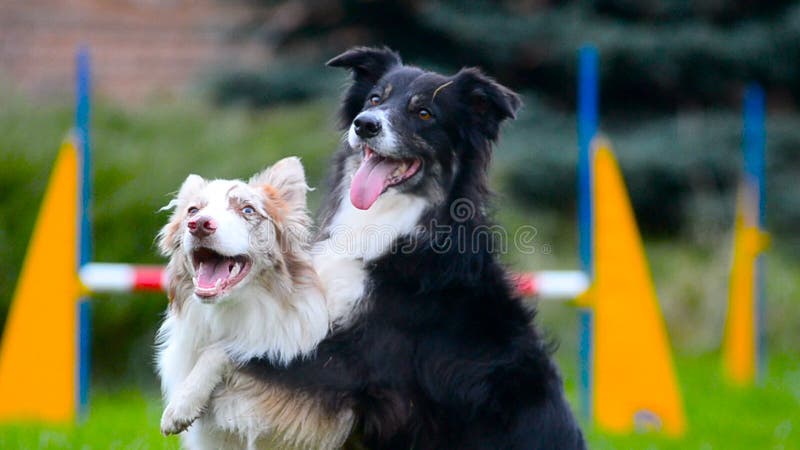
[[119, 420], [724, 417], [720, 416]]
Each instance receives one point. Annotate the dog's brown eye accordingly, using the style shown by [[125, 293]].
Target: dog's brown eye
[[192, 211], [424, 114], [375, 100]]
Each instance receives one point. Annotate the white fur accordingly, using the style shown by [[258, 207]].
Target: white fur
[[252, 324], [200, 344], [193, 392], [216, 195], [356, 237], [384, 142]]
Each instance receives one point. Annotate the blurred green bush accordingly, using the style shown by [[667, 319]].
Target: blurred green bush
[[677, 168], [681, 170], [284, 83]]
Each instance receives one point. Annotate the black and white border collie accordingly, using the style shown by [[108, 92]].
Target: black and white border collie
[[430, 348]]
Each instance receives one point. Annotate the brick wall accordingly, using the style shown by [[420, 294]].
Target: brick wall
[[139, 48]]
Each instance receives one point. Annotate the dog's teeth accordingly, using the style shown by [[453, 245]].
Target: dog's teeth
[[218, 284], [400, 170], [236, 269]]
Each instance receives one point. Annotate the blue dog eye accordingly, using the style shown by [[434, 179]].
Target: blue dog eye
[[248, 210]]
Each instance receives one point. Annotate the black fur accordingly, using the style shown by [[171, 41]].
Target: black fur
[[368, 66], [443, 355]]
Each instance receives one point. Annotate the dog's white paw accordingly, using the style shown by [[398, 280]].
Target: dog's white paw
[[178, 416]]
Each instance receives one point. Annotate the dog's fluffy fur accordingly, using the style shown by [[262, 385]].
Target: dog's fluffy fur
[[241, 285], [430, 347]]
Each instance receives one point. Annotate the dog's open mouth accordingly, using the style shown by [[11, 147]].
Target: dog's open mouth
[[216, 274], [376, 174]]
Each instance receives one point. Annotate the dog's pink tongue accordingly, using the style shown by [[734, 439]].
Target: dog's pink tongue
[[370, 180], [209, 272]]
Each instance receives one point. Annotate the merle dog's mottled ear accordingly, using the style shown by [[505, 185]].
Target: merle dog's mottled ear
[[489, 102], [368, 66], [287, 179]]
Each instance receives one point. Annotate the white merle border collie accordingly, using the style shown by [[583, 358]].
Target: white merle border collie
[[241, 285], [431, 347]]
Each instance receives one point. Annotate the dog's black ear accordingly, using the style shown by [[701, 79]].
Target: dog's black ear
[[368, 66], [488, 102], [366, 62]]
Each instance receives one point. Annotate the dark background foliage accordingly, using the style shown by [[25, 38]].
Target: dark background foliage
[[672, 79]]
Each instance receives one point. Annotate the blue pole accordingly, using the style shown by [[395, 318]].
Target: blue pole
[[588, 81], [753, 146], [754, 143], [84, 312], [587, 128]]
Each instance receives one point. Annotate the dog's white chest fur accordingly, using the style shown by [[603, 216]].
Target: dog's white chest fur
[[354, 238], [254, 325], [257, 324]]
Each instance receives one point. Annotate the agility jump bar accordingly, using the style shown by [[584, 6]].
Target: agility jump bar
[[98, 278]]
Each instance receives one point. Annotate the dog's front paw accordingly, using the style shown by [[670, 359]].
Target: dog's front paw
[[177, 418]]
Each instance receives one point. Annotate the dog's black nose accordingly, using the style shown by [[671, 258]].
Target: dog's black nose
[[367, 125]]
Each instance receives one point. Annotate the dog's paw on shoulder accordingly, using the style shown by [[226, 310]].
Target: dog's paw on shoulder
[[176, 419]]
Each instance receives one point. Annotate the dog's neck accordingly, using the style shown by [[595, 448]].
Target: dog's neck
[[255, 322], [352, 238], [367, 235]]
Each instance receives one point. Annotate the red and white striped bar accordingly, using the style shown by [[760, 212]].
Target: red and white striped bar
[[552, 284], [111, 277]]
